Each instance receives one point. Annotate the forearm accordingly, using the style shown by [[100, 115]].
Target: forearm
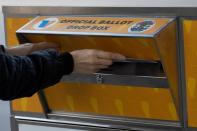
[[28, 48], [22, 76], [19, 50]]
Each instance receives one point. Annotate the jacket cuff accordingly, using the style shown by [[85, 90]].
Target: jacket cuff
[[68, 62], [2, 48]]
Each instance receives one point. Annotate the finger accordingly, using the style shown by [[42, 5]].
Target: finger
[[105, 62], [93, 60], [87, 69], [93, 68], [110, 55], [98, 67], [47, 45]]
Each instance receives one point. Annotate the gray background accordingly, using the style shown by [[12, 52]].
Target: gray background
[[124, 3]]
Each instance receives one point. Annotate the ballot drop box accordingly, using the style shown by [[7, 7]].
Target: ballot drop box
[[142, 90]]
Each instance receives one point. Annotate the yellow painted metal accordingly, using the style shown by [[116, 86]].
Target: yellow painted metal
[[138, 102], [31, 104], [190, 50], [138, 48], [167, 47], [12, 24]]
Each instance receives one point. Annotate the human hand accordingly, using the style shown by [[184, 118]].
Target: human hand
[[28, 48], [90, 61]]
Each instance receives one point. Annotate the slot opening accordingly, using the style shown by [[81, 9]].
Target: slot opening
[[135, 67]]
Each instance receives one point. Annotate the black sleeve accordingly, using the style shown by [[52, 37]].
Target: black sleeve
[[22, 76], [2, 49]]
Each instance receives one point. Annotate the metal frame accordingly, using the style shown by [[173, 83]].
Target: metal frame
[[105, 126], [44, 103], [182, 81], [182, 71], [99, 11], [121, 11], [107, 121], [58, 124], [126, 80]]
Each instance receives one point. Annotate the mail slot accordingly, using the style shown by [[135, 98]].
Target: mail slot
[[141, 40]]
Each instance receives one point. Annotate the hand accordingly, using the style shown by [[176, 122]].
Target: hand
[[90, 61], [28, 48]]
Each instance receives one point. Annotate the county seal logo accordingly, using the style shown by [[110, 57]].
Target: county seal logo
[[141, 26]]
